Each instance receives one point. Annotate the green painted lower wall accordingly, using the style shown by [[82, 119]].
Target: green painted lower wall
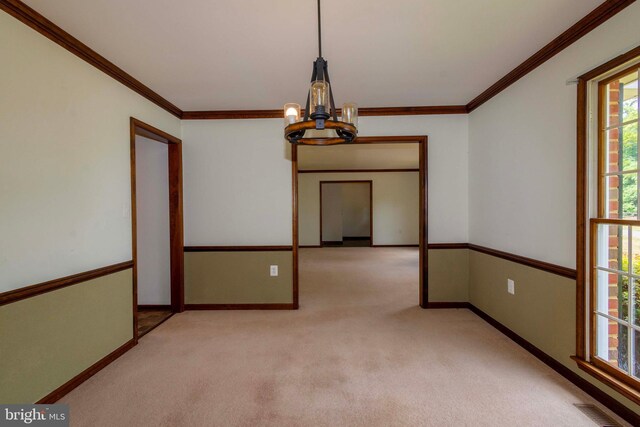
[[237, 277], [542, 311], [47, 340], [448, 275]]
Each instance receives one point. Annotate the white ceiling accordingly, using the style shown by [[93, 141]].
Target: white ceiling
[[257, 54], [359, 156]]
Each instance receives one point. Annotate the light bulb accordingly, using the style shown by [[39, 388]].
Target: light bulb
[[291, 113]]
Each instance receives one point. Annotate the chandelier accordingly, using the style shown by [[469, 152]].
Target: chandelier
[[320, 124]]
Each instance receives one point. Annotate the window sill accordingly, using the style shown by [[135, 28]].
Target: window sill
[[625, 389]]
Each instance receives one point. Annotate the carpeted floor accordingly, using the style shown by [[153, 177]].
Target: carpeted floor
[[359, 352]]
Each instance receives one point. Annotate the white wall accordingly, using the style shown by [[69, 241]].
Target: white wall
[[355, 209], [522, 162], [64, 164], [152, 222], [332, 230], [395, 205], [237, 178], [237, 183]]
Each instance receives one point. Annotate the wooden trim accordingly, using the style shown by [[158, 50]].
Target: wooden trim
[[610, 65], [412, 111], [148, 131], [53, 285], [154, 307], [423, 225], [283, 306], [448, 246], [581, 217], [176, 226], [355, 238], [595, 18], [625, 389], [356, 170], [423, 197], [295, 297], [237, 248], [580, 382], [582, 182], [529, 262], [616, 76], [441, 305], [33, 19], [367, 181], [66, 388], [277, 114]]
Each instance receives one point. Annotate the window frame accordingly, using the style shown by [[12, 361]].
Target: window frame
[[592, 85]]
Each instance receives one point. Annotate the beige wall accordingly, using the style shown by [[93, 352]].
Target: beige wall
[[355, 209], [332, 213], [47, 340], [448, 275], [542, 310], [395, 205], [237, 277]]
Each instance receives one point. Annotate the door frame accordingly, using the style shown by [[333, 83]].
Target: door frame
[[361, 181], [423, 142], [176, 227]]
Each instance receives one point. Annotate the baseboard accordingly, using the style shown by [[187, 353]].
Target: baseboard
[[154, 307], [285, 306], [74, 382], [448, 304], [309, 246], [355, 238], [580, 382]]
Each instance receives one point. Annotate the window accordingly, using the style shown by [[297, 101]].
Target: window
[[614, 324]]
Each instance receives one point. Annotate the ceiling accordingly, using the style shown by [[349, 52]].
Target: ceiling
[[359, 156], [257, 54]]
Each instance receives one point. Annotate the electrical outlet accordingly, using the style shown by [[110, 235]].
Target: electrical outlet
[[273, 270], [511, 286]]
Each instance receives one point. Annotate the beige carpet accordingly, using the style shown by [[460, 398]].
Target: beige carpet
[[359, 352]]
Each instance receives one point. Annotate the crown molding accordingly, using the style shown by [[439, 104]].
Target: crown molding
[[33, 19], [370, 111], [581, 28]]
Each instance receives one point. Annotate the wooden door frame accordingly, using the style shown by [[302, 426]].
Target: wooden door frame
[[176, 228], [357, 181], [423, 142]]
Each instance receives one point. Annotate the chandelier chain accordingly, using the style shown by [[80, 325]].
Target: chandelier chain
[[319, 32]]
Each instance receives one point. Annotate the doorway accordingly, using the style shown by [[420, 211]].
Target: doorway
[[421, 142], [346, 213], [157, 226]]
